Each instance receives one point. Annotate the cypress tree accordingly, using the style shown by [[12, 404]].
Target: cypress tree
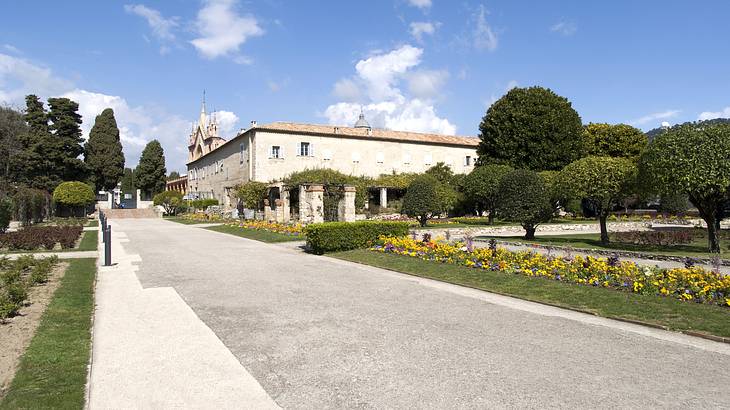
[[151, 172], [103, 152], [67, 139], [36, 161]]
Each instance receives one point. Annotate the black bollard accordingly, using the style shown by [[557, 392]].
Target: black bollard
[[108, 246]]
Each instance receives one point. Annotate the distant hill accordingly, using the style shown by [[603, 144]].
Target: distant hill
[[651, 134]]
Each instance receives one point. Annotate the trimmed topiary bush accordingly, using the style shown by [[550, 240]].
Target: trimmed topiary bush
[[343, 236], [525, 198], [422, 199], [73, 194]]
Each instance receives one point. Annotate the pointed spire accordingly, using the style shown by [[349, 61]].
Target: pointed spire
[[202, 113]]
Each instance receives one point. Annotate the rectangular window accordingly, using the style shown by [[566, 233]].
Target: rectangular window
[[467, 160], [275, 151], [304, 149], [379, 158], [427, 159]]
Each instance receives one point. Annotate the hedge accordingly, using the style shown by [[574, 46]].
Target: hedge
[[342, 236]]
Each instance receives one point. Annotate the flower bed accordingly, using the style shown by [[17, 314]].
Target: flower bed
[[46, 237], [688, 284], [285, 229], [16, 277]]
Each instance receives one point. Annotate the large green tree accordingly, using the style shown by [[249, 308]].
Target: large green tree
[[128, 182], [151, 173], [525, 198], [619, 140], [481, 186], [67, 139], [693, 159], [531, 128], [601, 181], [103, 152], [12, 131], [39, 155]]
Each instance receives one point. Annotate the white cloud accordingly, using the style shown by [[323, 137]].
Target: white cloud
[[137, 124], [655, 116], [161, 27], [421, 4], [375, 89], [346, 89], [222, 31], [19, 77], [11, 48], [483, 36], [227, 121], [709, 115], [427, 83], [564, 28], [419, 28]]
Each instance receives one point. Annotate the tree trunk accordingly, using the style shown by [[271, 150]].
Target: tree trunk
[[708, 210], [604, 229], [422, 220], [529, 231], [490, 221]]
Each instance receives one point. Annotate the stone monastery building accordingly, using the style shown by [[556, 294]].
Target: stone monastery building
[[271, 152]]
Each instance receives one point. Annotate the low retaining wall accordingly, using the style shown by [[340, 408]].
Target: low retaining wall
[[481, 230]]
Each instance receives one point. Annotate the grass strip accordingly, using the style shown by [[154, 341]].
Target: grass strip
[[52, 372], [93, 223], [256, 234], [89, 242], [667, 312]]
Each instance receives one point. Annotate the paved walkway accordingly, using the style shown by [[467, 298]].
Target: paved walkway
[[317, 332]]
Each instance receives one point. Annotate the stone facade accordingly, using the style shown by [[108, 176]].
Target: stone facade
[[271, 152]]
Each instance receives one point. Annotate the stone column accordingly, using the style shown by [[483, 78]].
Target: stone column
[[304, 209], [346, 207], [285, 205], [268, 215], [139, 197], [383, 197], [316, 202]]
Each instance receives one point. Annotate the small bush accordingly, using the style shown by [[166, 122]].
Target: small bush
[[171, 201], [203, 203], [342, 236], [15, 279], [31, 205]]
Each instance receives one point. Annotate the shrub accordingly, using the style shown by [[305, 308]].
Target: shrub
[[15, 279], [251, 194], [342, 236], [482, 186], [6, 213], [73, 194], [32, 238], [203, 203], [525, 199], [170, 200], [422, 199]]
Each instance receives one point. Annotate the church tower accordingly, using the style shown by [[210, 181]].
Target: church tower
[[204, 135]]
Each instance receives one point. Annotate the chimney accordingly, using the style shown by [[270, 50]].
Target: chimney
[[370, 131], [253, 124], [337, 130]]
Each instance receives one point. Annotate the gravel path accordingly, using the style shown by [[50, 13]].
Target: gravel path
[[321, 333]]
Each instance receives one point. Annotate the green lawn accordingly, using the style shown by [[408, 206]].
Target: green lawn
[[89, 242], [93, 223], [52, 372], [697, 248], [187, 221], [258, 235], [668, 312]]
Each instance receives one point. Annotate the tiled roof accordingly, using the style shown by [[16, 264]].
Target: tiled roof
[[375, 133]]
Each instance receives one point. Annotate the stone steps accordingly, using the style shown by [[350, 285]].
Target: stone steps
[[131, 213]]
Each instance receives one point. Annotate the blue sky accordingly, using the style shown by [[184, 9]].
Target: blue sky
[[421, 65]]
